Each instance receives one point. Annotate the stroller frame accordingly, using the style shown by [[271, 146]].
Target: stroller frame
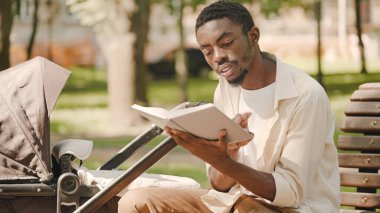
[[28, 94], [98, 197]]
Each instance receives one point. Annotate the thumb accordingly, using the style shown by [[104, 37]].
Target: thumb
[[222, 135]]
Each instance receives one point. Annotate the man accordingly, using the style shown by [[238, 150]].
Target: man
[[290, 165]]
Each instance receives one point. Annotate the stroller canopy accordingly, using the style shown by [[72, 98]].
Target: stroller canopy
[[28, 93]]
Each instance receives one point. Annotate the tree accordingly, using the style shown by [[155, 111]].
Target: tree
[[34, 29], [359, 34], [318, 13], [140, 26], [6, 22], [273, 7], [112, 25], [176, 7], [181, 61]]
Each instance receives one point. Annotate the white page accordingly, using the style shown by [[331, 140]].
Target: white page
[[155, 114], [203, 121], [180, 112], [206, 121]]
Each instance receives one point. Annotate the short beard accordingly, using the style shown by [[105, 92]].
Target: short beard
[[238, 80]]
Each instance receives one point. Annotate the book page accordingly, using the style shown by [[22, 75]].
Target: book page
[[184, 111], [206, 121], [155, 114], [203, 121]]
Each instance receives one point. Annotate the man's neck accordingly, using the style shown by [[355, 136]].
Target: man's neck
[[262, 74]]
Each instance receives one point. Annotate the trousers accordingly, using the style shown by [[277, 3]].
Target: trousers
[[165, 200]]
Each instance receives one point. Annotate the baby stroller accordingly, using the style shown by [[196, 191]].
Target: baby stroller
[[34, 180]]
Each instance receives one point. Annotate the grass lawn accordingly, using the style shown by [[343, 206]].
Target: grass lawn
[[81, 112]]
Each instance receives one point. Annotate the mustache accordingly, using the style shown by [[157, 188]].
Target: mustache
[[224, 61]]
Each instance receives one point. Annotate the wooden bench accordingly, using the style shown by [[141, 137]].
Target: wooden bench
[[361, 150]]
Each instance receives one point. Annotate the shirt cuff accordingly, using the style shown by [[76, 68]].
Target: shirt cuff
[[284, 196]]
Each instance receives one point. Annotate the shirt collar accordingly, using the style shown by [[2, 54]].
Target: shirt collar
[[285, 85]]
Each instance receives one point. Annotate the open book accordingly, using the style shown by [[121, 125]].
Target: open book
[[203, 121]]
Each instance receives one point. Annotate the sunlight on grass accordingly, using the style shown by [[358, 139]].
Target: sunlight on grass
[[86, 78], [93, 122], [166, 93], [198, 174], [83, 100]]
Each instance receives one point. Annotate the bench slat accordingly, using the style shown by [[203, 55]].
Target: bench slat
[[370, 161], [354, 211], [373, 86], [365, 200], [361, 124], [359, 142], [366, 95], [362, 116], [366, 180], [363, 108]]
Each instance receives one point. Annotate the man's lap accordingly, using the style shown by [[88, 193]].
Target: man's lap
[[145, 200], [163, 200]]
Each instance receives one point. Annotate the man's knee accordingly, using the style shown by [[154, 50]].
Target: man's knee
[[136, 200]]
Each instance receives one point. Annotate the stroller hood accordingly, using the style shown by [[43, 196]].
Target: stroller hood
[[28, 93]]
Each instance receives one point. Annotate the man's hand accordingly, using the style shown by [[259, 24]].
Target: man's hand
[[209, 151], [214, 153], [242, 119], [233, 148]]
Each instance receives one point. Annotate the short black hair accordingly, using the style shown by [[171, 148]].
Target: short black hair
[[234, 11]]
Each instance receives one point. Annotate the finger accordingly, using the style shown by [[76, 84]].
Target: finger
[[167, 130], [184, 135], [232, 146], [246, 115], [178, 140], [237, 119], [244, 124], [222, 135], [242, 143]]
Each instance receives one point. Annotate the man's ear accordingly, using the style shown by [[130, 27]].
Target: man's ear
[[254, 35]]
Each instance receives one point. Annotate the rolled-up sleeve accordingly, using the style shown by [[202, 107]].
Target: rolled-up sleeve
[[309, 130]]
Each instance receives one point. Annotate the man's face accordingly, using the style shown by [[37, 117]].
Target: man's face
[[226, 48]]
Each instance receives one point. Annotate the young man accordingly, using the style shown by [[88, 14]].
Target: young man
[[290, 165]]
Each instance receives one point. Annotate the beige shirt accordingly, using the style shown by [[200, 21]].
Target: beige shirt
[[296, 143]]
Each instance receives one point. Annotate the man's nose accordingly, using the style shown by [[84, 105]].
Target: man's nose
[[219, 55]]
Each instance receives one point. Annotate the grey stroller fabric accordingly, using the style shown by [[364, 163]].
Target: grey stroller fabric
[[28, 93]]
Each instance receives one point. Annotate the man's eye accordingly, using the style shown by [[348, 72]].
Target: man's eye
[[206, 52], [227, 43]]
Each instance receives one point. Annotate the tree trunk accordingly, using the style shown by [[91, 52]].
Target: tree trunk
[[118, 50], [342, 28], [6, 22], [140, 26], [49, 42], [359, 34], [180, 56], [34, 30], [110, 20], [318, 13]]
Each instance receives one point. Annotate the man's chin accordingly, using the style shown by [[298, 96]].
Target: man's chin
[[237, 81]]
